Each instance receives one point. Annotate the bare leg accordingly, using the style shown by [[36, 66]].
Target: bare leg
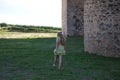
[[55, 60], [60, 61]]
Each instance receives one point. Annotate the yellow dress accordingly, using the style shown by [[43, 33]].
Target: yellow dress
[[60, 50]]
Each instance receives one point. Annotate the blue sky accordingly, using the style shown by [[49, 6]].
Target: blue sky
[[31, 12]]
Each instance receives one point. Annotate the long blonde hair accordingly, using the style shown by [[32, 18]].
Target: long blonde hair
[[62, 41]]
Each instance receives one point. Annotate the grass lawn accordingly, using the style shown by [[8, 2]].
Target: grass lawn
[[32, 59]]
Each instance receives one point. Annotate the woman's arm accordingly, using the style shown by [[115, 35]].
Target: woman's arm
[[57, 44], [65, 46]]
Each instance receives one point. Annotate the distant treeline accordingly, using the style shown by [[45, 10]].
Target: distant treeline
[[28, 28]]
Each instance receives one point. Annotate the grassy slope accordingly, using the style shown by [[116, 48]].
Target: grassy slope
[[31, 59], [29, 28]]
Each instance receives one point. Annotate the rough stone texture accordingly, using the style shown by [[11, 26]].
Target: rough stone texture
[[74, 25], [64, 17], [102, 27]]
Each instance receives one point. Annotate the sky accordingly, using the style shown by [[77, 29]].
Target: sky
[[31, 12]]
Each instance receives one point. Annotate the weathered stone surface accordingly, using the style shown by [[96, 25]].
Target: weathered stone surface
[[102, 27], [74, 17], [101, 21], [64, 17]]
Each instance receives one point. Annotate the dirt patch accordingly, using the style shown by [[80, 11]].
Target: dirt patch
[[27, 35]]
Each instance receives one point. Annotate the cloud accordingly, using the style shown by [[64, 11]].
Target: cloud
[[31, 20], [39, 12]]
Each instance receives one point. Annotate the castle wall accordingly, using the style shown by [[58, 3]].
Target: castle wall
[[64, 17], [102, 27], [73, 23]]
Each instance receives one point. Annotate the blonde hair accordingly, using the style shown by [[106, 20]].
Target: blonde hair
[[62, 41]]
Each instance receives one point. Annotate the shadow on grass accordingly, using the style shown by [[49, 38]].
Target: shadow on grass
[[31, 59]]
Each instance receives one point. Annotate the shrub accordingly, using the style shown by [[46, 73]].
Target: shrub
[[29, 28]]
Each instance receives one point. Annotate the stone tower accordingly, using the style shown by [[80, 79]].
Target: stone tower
[[72, 17], [98, 21], [102, 27]]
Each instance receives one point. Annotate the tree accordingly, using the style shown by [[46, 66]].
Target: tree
[[3, 25]]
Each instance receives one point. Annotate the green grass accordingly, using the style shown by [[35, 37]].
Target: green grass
[[32, 59]]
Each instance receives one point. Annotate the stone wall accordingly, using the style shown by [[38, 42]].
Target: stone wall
[[102, 27], [75, 17], [64, 17]]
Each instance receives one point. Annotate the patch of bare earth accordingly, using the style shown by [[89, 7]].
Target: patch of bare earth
[[27, 35]]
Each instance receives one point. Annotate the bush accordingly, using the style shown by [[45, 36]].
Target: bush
[[27, 28]]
